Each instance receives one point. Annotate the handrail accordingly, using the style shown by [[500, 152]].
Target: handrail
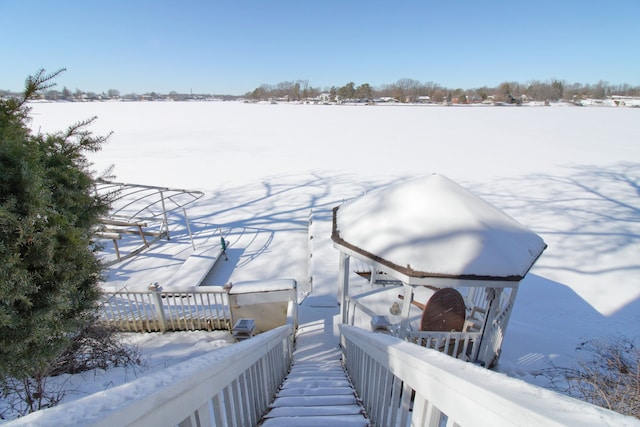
[[401, 383], [231, 386]]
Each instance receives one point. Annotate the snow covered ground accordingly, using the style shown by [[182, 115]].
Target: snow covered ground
[[570, 174]]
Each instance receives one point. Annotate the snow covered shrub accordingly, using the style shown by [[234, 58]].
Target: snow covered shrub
[[96, 346], [609, 376], [22, 396]]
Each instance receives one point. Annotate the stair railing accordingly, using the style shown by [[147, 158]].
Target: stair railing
[[402, 384], [229, 387]]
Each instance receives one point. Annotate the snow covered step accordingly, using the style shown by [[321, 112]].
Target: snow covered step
[[335, 420], [314, 411], [307, 383], [317, 375], [327, 364], [311, 371], [314, 391], [309, 368], [316, 394], [292, 401], [306, 371]]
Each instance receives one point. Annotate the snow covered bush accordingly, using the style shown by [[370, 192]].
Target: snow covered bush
[[609, 376], [95, 346]]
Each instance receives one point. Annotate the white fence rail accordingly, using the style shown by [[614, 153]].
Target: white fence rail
[[204, 308], [461, 345], [231, 387], [402, 385]]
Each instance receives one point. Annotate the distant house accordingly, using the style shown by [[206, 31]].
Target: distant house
[[386, 99], [324, 98]]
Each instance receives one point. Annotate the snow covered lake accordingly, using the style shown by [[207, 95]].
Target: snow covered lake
[[570, 174]]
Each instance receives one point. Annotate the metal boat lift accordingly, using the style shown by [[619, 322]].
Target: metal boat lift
[[142, 210]]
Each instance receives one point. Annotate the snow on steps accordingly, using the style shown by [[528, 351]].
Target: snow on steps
[[316, 394]]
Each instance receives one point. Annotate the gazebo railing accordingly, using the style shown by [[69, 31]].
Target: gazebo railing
[[461, 345]]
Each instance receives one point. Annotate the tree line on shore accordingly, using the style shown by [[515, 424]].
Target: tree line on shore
[[410, 90], [403, 90]]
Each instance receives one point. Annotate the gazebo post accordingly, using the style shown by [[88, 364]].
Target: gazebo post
[[491, 339], [495, 329], [343, 286], [406, 306]]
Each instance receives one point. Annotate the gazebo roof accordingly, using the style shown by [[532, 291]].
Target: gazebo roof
[[433, 227]]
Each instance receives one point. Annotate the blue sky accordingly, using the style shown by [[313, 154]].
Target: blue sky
[[232, 47]]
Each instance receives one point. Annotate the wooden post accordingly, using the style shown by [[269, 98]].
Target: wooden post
[[343, 286], [374, 275], [310, 245], [500, 318], [487, 353], [115, 245], [155, 291], [406, 306], [164, 212], [186, 219], [144, 239]]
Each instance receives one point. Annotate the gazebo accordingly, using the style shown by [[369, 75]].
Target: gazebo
[[433, 239]]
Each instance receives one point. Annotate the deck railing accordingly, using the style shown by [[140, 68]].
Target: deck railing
[[461, 345], [202, 308], [401, 384], [230, 387]]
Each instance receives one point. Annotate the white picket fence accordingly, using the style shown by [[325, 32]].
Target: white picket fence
[[202, 308], [402, 384], [231, 387]]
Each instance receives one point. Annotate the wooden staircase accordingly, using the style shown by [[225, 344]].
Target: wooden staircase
[[316, 394]]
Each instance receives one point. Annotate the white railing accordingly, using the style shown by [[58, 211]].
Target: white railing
[[461, 345], [202, 308], [401, 384], [230, 387]]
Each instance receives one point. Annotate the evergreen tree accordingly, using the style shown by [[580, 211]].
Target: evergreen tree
[[48, 270]]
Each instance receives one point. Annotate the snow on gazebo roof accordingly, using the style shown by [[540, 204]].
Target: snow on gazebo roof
[[433, 227]]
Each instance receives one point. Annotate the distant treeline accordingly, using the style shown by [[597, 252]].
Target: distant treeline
[[409, 90], [404, 90]]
